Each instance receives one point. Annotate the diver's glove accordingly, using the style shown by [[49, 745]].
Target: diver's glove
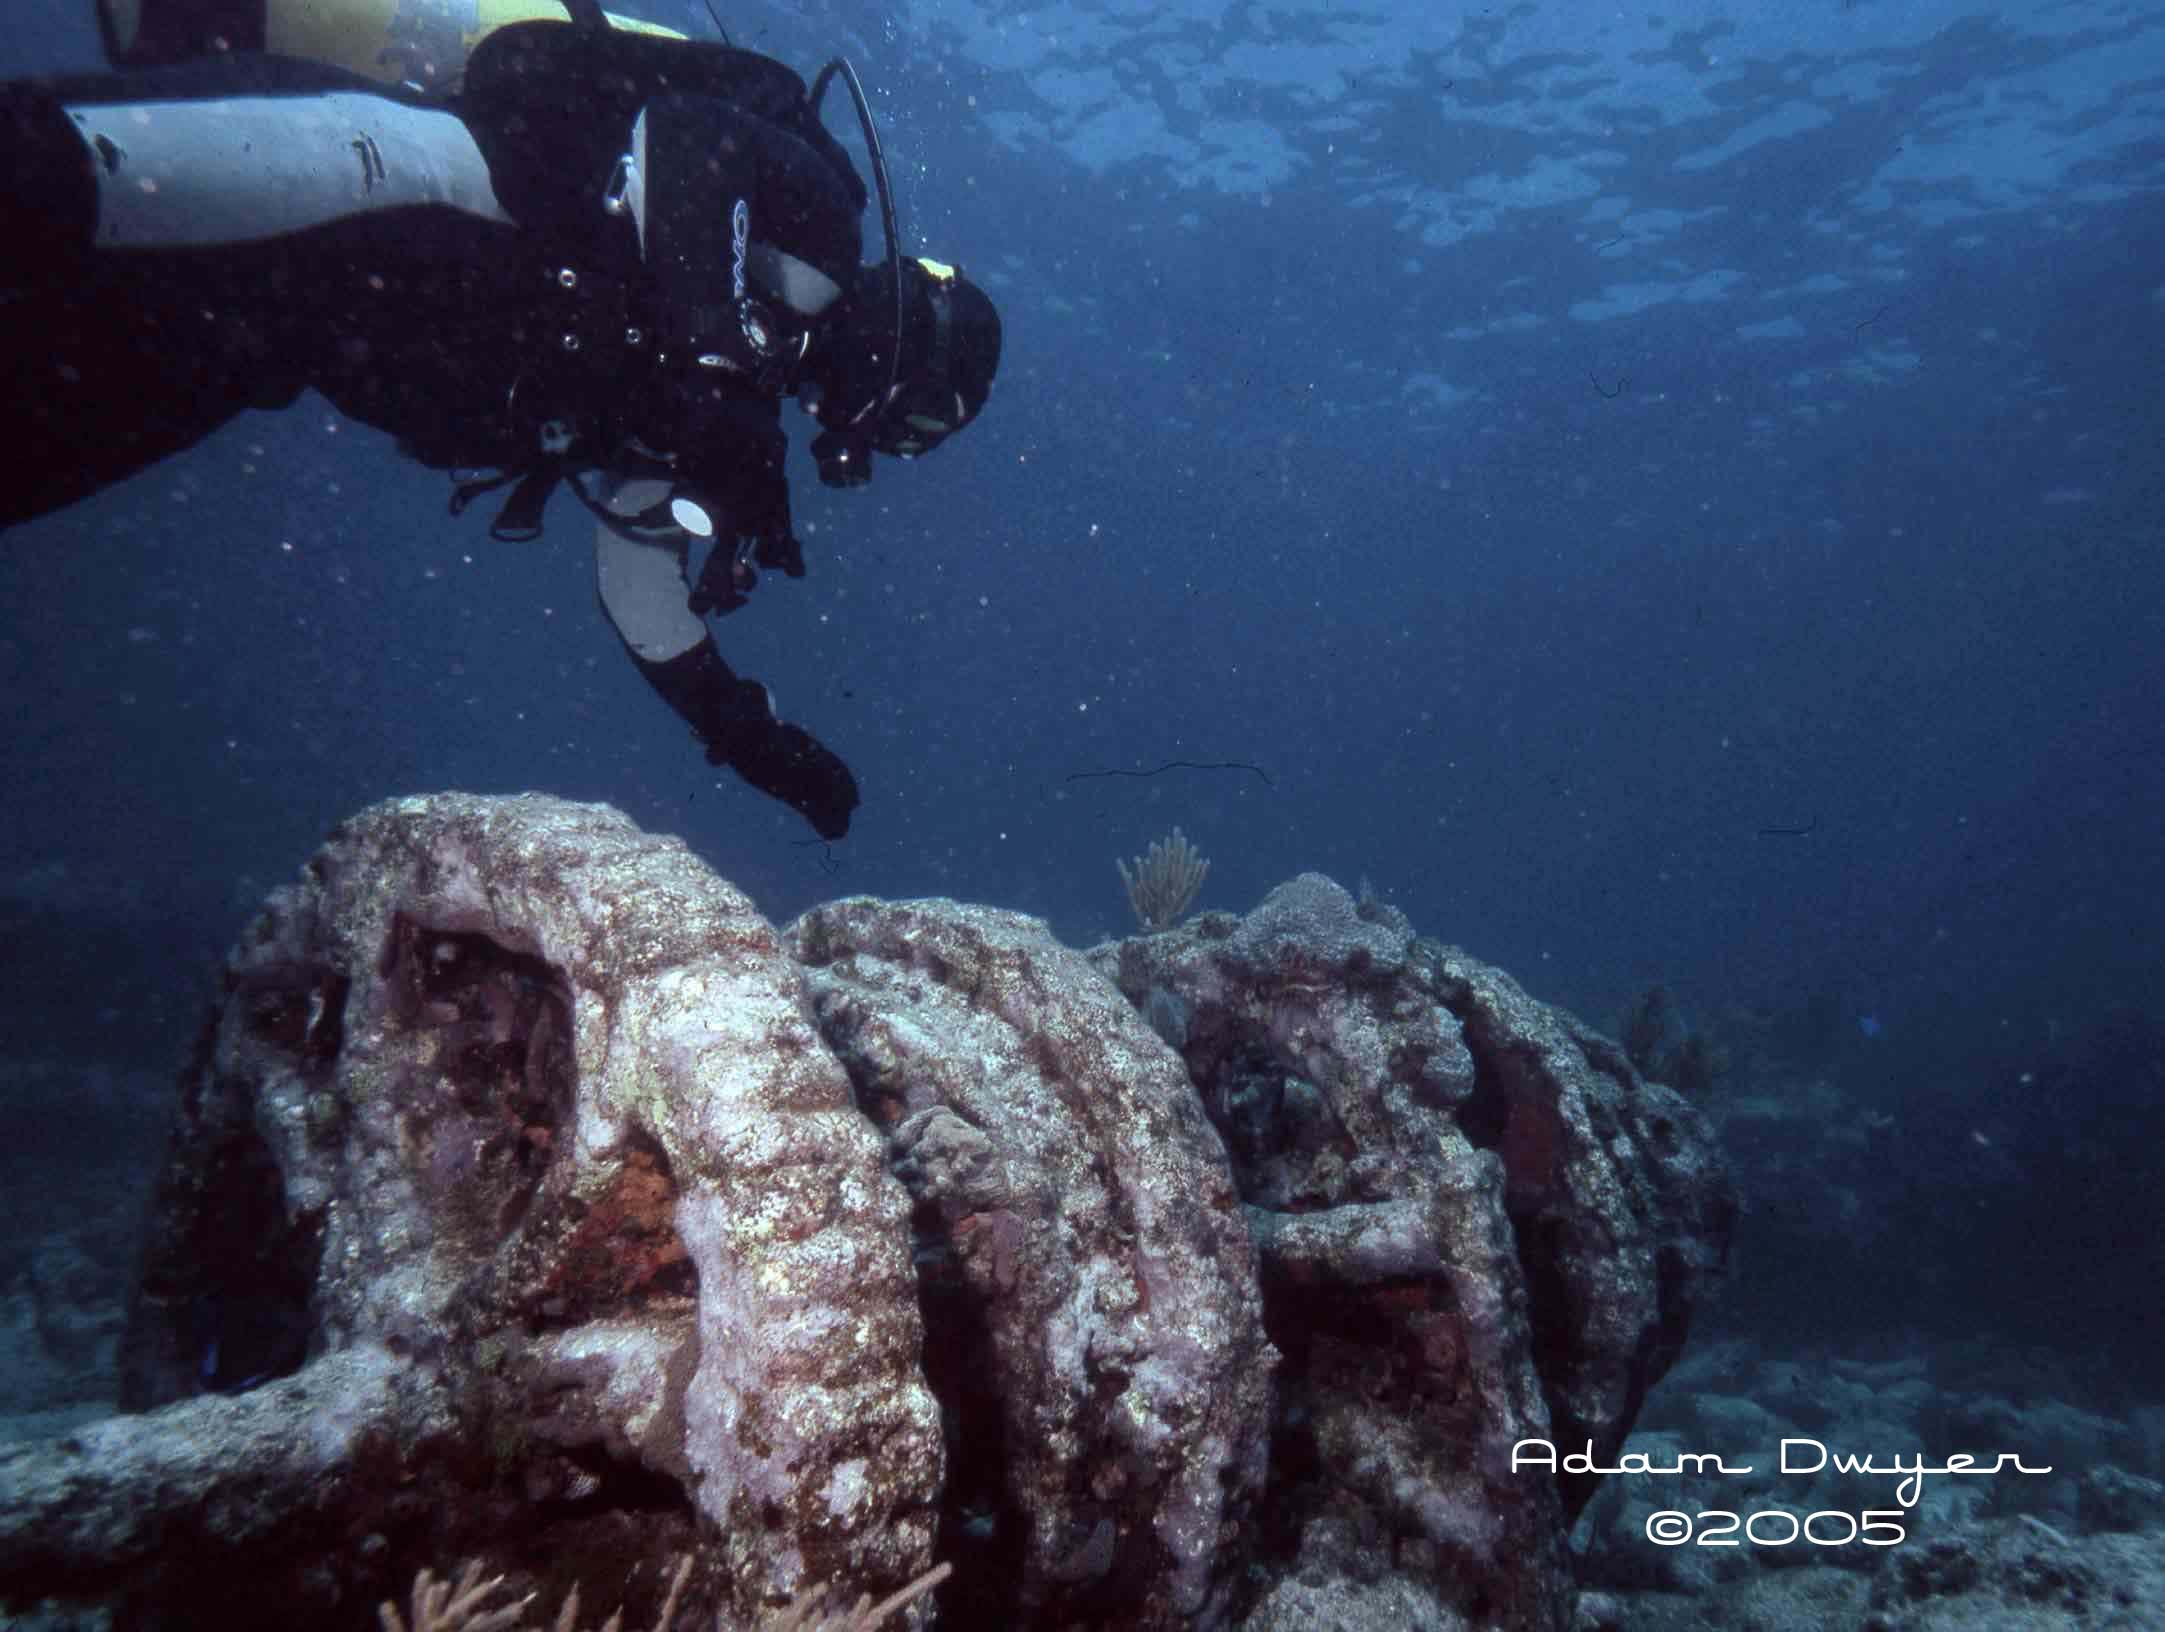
[[731, 456], [731, 572], [725, 582], [790, 764], [734, 717], [780, 550]]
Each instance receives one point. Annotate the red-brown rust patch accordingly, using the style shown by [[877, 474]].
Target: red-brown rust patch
[[626, 1240]]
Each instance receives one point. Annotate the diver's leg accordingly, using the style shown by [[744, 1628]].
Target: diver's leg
[[110, 363], [48, 186], [153, 233]]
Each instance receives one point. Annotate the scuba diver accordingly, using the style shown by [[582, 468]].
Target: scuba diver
[[566, 250]]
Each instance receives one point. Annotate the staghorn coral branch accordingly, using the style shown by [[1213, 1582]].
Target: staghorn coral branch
[[804, 1615], [462, 1606]]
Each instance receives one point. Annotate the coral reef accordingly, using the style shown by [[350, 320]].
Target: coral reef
[[532, 1198], [468, 1603], [2080, 1545], [1087, 1272], [1477, 1226]]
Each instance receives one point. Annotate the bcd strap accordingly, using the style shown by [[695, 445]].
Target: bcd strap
[[466, 492], [519, 521]]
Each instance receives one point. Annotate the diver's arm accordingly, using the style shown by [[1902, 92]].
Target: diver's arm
[[641, 585]]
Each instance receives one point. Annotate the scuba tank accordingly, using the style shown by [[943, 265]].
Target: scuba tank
[[426, 48], [394, 41]]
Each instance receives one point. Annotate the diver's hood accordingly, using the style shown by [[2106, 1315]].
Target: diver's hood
[[906, 402]]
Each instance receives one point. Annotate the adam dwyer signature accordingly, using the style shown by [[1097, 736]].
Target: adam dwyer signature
[[1797, 1456]]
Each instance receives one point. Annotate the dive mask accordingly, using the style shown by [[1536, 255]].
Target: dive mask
[[874, 400]]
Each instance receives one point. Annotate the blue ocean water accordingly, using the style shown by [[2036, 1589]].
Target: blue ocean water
[[1666, 494]]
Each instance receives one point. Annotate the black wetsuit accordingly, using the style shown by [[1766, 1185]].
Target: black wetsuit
[[539, 346]]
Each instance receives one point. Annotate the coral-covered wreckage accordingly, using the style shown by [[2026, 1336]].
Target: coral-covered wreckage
[[532, 1198]]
